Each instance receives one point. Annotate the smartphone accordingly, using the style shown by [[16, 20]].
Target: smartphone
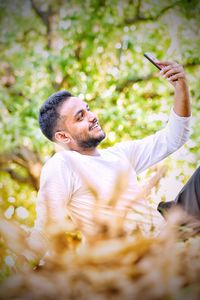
[[152, 59]]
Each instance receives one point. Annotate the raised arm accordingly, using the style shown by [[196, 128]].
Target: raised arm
[[146, 152]]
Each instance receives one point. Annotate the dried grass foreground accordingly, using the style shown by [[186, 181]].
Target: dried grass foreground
[[122, 265]]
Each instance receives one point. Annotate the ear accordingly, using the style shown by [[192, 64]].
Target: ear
[[62, 137]]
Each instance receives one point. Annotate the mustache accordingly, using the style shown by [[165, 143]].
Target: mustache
[[94, 122]]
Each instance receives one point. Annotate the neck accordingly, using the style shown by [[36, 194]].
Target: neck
[[85, 151], [90, 152]]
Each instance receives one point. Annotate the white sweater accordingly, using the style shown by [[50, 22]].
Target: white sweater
[[69, 179]]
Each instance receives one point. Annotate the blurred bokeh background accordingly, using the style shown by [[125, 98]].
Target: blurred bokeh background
[[94, 49]]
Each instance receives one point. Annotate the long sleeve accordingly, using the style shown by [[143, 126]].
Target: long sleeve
[[146, 152]]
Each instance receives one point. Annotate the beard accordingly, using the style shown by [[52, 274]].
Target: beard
[[91, 142]]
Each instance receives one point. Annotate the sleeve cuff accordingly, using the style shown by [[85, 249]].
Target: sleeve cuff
[[177, 117]]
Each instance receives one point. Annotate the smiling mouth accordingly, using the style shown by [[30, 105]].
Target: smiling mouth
[[96, 125]]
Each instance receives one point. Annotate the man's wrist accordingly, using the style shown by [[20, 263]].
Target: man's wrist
[[182, 83]]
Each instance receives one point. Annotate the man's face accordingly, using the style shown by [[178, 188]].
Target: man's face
[[79, 124]]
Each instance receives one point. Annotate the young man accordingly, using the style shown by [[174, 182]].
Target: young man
[[79, 181]]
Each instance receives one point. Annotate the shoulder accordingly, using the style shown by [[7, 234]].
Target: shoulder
[[58, 158], [59, 161]]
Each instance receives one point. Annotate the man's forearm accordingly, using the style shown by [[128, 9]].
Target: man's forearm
[[182, 99]]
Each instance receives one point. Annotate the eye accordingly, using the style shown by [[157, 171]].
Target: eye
[[80, 116]]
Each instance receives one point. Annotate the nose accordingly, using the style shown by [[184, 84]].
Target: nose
[[91, 116]]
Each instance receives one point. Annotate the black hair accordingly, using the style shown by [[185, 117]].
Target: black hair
[[49, 114]]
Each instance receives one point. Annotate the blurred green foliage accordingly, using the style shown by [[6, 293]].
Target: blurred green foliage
[[95, 50]]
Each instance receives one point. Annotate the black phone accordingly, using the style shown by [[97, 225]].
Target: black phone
[[152, 59]]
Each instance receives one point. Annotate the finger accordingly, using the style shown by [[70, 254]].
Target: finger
[[166, 68], [176, 77], [171, 72]]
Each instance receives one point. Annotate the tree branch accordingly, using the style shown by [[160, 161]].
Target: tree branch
[[46, 19], [26, 34], [140, 17], [138, 6], [59, 85], [15, 176], [28, 160], [131, 80], [134, 79], [41, 14]]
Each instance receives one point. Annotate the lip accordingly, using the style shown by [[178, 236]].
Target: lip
[[96, 125]]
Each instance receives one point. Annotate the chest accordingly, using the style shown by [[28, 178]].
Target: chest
[[104, 179]]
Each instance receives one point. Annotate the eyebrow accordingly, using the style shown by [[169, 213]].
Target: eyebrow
[[80, 111]]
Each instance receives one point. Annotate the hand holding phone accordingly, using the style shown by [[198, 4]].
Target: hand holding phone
[[169, 70], [152, 59]]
